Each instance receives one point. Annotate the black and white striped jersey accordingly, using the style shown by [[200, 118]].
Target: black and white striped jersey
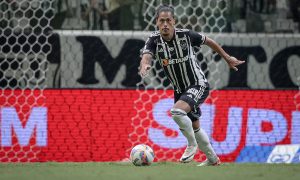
[[177, 57]]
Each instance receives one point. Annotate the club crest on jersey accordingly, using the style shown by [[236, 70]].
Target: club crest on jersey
[[183, 45], [165, 62]]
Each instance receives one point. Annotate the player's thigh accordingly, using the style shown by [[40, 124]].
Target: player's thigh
[[194, 96], [180, 104], [190, 100]]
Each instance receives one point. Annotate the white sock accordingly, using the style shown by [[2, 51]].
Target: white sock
[[185, 125], [204, 144]]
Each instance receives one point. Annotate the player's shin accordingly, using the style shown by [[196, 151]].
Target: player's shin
[[185, 125], [204, 145]]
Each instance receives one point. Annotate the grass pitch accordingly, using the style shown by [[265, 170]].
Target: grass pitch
[[157, 171]]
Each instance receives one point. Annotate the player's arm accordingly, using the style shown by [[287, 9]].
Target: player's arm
[[147, 55], [145, 64], [231, 61]]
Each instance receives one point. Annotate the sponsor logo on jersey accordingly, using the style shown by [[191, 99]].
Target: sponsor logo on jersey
[[179, 60], [165, 62]]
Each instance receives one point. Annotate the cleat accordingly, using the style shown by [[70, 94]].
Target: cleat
[[210, 163], [188, 154]]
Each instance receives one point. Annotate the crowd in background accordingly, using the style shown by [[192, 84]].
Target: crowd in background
[[269, 16], [263, 16], [94, 14]]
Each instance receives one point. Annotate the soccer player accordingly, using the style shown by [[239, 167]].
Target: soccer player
[[173, 48]]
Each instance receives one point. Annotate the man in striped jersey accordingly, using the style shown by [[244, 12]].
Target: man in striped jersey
[[173, 48]]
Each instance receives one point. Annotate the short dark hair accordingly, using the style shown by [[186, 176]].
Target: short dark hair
[[165, 8]]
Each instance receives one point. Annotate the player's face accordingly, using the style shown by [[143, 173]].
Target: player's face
[[165, 22]]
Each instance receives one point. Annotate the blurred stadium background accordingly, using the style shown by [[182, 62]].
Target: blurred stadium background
[[70, 91]]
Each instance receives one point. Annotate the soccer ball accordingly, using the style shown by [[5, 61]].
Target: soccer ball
[[142, 155]]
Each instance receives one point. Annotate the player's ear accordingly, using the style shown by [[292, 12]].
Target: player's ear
[[174, 21]]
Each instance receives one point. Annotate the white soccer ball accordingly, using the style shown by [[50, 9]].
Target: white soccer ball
[[142, 155]]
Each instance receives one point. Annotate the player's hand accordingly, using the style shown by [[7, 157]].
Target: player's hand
[[144, 70], [233, 62]]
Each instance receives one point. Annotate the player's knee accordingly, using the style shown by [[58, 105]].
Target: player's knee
[[193, 116], [177, 113], [196, 125]]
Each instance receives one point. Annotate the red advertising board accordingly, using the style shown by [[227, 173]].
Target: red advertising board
[[102, 125]]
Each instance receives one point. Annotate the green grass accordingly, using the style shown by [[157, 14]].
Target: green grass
[[165, 171]]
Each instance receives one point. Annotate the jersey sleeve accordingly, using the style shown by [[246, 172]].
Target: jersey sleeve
[[150, 46], [197, 39]]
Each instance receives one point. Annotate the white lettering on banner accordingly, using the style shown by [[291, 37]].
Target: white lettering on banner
[[259, 55], [295, 138], [10, 121], [233, 133], [283, 154], [255, 135], [160, 114]]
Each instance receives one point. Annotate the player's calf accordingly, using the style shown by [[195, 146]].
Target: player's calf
[[185, 126]]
